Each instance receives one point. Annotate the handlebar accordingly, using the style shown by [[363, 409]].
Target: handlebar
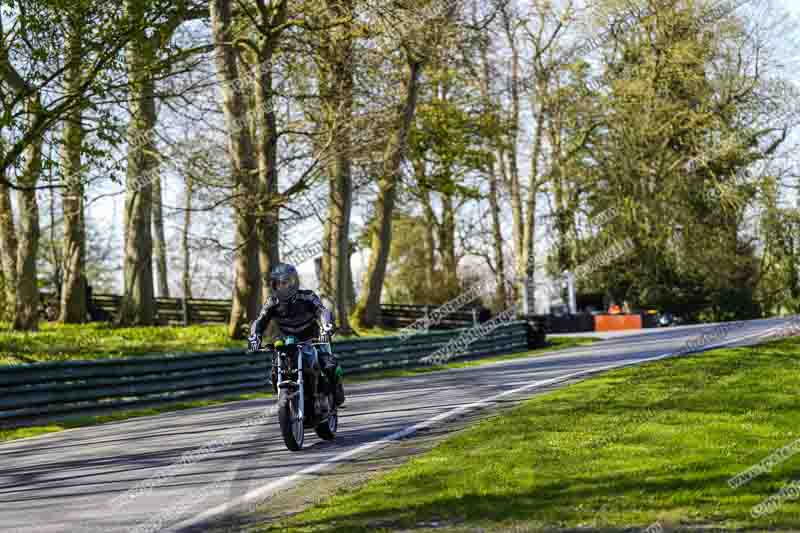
[[270, 346], [324, 338]]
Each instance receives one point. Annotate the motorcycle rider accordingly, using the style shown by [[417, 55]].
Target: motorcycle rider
[[297, 313]]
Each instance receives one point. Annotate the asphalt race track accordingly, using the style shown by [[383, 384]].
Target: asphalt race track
[[129, 476]]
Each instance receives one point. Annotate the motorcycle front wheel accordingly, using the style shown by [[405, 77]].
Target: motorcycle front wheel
[[288, 417], [327, 430]]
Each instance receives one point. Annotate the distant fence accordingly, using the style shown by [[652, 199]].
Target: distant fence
[[403, 315], [57, 389], [202, 310], [168, 310]]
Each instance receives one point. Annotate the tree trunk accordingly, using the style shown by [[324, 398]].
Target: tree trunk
[[339, 232], [57, 255], [326, 278], [27, 315], [529, 257], [560, 195], [254, 245], [447, 229], [254, 280], [267, 156], [368, 309], [430, 225], [337, 83], [447, 245], [351, 286], [186, 278], [500, 298], [159, 244], [138, 299], [513, 169], [512, 176], [73, 287], [3, 296], [8, 253], [141, 54], [430, 252], [240, 148]]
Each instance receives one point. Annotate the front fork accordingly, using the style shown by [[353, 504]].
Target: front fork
[[299, 391]]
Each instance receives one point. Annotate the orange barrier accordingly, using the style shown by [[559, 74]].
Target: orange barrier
[[617, 322]]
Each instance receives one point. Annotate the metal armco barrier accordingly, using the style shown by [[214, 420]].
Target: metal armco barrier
[[30, 391], [569, 323]]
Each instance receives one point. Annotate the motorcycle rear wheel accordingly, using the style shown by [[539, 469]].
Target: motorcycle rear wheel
[[291, 425], [339, 394]]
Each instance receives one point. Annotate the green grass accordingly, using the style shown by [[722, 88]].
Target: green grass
[[376, 331], [553, 343], [626, 449], [83, 421], [100, 340]]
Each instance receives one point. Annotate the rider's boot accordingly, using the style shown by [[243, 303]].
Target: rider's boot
[[333, 375]]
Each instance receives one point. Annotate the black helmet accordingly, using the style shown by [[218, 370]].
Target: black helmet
[[284, 282]]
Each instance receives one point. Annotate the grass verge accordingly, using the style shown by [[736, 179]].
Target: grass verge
[[101, 340], [645, 446]]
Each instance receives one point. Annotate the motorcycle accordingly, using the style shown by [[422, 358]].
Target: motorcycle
[[302, 402]]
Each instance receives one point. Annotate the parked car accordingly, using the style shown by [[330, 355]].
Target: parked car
[[666, 320]]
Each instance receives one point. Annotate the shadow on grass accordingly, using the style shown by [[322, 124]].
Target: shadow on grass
[[553, 506]]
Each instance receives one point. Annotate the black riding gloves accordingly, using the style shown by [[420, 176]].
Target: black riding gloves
[[254, 342]]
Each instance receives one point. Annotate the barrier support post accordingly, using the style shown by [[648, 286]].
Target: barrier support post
[[185, 309]]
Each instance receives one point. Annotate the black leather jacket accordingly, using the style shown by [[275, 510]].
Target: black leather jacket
[[298, 318]]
